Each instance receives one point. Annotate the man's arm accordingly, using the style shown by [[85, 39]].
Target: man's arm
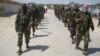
[[91, 23], [17, 21]]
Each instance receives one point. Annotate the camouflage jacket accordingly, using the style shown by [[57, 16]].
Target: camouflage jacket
[[84, 22], [22, 21], [66, 14]]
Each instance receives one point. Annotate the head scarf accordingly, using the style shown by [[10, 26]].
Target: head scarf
[[85, 8], [24, 8]]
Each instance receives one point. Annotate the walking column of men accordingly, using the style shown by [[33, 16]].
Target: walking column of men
[[78, 22], [27, 17]]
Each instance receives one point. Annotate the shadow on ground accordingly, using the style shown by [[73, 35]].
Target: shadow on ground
[[79, 48], [7, 14], [45, 23], [37, 47], [42, 25], [42, 28], [36, 36], [93, 50]]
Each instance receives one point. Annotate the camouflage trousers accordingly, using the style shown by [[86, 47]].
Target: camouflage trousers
[[65, 22], [33, 26], [20, 37], [79, 36], [98, 22], [72, 28]]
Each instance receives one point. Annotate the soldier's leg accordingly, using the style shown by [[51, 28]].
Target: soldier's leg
[[33, 28], [29, 32], [99, 22], [39, 20], [70, 28], [20, 37], [78, 39], [73, 34], [59, 16], [62, 19], [27, 38], [86, 42], [36, 23], [65, 22], [72, 37]]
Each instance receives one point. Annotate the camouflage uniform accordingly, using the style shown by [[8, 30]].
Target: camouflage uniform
[[21, 26], [66, 15], [84, 23], [72, 24], [41, 14], [63, 14], [58, 12], [98, 19], [37, 17], [32, 17]]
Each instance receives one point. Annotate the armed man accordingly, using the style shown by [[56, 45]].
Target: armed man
[[22, 27], [84, 23], [66, 15], [71, 21]]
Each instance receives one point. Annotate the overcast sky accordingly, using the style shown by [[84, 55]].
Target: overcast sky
[[60, 1]]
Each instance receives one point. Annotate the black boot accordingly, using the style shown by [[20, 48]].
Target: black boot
[[77, 46], [73, 41], [27, 46], [19, 51], [85, 53]]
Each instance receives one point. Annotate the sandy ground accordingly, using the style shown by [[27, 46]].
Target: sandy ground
[[51, 39]]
